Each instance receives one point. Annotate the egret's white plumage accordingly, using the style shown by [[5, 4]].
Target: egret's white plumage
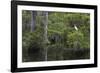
[[75, 27]]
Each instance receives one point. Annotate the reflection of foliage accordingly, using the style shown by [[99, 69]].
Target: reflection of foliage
[[53, 52]]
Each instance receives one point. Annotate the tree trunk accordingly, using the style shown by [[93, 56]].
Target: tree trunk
[[33, 20], [45, 27]]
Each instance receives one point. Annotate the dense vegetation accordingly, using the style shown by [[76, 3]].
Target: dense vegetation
[[55, 36]]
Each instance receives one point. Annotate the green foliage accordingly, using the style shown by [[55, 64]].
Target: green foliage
[[32, 40], [61, 34], [75, 37]]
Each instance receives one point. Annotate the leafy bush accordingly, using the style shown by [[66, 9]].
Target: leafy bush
[[32, 46]]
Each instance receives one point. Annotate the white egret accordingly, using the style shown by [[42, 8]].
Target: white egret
[[75, 27]]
